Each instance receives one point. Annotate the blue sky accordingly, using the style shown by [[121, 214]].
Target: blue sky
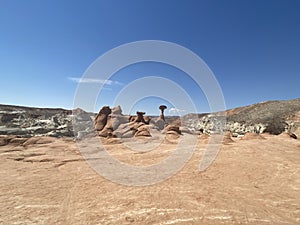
[[252, 47]]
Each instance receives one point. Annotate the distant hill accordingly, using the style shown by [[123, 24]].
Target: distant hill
[[276, 114], [273, 117], [265, 111]]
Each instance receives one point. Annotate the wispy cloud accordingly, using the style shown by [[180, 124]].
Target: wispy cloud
[[175, 111], [94, 81]]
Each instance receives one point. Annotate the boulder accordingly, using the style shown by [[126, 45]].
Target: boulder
[[143, 131], [172, 133], [101, 118], [172, 128]]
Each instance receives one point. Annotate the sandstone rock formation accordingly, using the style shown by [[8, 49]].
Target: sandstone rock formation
[[274, 117], [120, 126], [116, 110], [143, 131], [162, 109], [101, 118], [172, 129], [172, 132], [112, 121]]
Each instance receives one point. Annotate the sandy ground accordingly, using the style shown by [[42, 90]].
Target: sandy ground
[[254, 181]]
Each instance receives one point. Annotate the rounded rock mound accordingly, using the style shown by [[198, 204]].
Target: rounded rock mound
[[252, 136]]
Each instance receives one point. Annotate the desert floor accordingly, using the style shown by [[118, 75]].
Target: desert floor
[[48, 181]]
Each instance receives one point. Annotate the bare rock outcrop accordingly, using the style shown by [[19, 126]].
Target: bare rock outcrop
[[120, 126], [124, 131], [160, 124], [101, 118], [162, 109], [116, 110], [172, 132], [172, 129], [30, 121], [140, 126], [143, 131], [272, 117], [112, 118]]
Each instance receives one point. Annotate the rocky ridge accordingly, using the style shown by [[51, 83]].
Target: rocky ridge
[[112, 123], [29, 121], [273, 117]]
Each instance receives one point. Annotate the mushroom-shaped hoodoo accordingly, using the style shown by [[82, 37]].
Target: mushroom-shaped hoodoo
[[162, 109]]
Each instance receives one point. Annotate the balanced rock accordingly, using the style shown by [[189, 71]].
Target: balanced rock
[[162, 109]]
